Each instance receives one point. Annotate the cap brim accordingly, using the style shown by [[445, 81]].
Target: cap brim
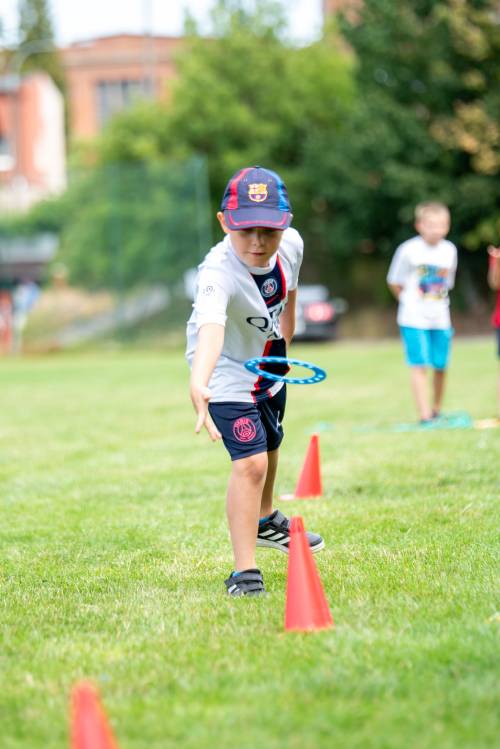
[[248, 218]]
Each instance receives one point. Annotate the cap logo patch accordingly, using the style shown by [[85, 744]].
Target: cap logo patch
[[257, 192]]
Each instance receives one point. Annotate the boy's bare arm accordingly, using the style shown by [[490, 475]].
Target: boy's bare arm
[[396, 289], [208, 350], [494, 269], [287, 321]]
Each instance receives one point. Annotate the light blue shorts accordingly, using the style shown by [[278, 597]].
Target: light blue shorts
[[427, 348]]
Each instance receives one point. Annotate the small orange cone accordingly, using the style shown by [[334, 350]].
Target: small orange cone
[[89, 726], [309, 483], [306, 606]]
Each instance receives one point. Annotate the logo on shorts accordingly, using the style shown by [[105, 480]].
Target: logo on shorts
[[269, 287], [244, 429], [208, 290], [257, 192]]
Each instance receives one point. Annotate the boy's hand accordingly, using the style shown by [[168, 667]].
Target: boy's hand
[[494, 252], [200, 396]]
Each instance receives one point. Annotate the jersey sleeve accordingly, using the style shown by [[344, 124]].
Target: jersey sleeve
[[212, 298], [297, 243], [399, 267]]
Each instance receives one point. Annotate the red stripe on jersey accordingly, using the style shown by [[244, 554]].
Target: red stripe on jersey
[[258, 382]]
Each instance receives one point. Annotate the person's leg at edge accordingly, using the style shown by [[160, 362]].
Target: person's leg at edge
[[266, 504], [498, 376], [498, 395], [244, 496], [418, 376]]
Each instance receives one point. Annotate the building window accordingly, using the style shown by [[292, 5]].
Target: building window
[[4, 145], [115, 96], [6, 157]]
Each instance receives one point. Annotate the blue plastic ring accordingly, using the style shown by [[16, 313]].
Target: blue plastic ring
[[253, 365]]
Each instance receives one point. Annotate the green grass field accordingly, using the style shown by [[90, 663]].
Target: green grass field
[[114, 548]]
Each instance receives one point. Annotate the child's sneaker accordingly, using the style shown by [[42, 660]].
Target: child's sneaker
[[274, 533], [245, 583], [428, 423]]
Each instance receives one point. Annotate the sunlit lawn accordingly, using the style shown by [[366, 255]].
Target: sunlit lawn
[[114, 549]]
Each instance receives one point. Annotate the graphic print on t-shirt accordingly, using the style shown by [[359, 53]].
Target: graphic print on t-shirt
[[272, 287], [432, 282]]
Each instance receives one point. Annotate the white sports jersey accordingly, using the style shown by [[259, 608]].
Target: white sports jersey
[[426, 273], [232, 294]]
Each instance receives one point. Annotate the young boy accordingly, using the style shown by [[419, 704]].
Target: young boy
[[422, 272], [245, 307]]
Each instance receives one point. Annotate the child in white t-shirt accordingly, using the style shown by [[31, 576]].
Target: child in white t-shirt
[[420, 276], [244, 308]]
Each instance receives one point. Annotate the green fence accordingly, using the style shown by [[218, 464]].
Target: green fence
[[134, 224]]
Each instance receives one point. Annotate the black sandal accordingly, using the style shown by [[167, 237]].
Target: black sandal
[[245, 583]]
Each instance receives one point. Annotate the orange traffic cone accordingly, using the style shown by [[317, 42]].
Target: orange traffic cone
[[89, 726], [309, 483], [306, 605]]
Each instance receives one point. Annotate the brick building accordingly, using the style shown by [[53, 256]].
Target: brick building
[[32, 141], [109, 74]]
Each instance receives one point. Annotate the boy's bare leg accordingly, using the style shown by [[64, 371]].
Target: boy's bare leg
[[438, 386], [244, 494], [266, 505], [419, 386]]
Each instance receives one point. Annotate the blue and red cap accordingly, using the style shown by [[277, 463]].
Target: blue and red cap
[[256, 197]]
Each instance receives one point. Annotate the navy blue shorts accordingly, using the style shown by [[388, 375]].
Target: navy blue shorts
[[250, 428]]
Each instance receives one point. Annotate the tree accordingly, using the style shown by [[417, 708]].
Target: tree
[[425, 125], [37, 49]]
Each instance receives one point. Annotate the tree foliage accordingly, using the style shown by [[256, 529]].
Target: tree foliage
[[425, 126], [37, 50]]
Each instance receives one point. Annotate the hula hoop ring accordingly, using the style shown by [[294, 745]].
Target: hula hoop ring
[[253, 366]]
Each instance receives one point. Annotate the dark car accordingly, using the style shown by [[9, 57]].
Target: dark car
[[317, 313]]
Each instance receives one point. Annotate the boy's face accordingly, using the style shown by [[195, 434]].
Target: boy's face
[[433, 226], [254, 246]]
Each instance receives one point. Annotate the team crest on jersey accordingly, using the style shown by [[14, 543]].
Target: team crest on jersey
[[244, 429], [269, 287], [257, 192]]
